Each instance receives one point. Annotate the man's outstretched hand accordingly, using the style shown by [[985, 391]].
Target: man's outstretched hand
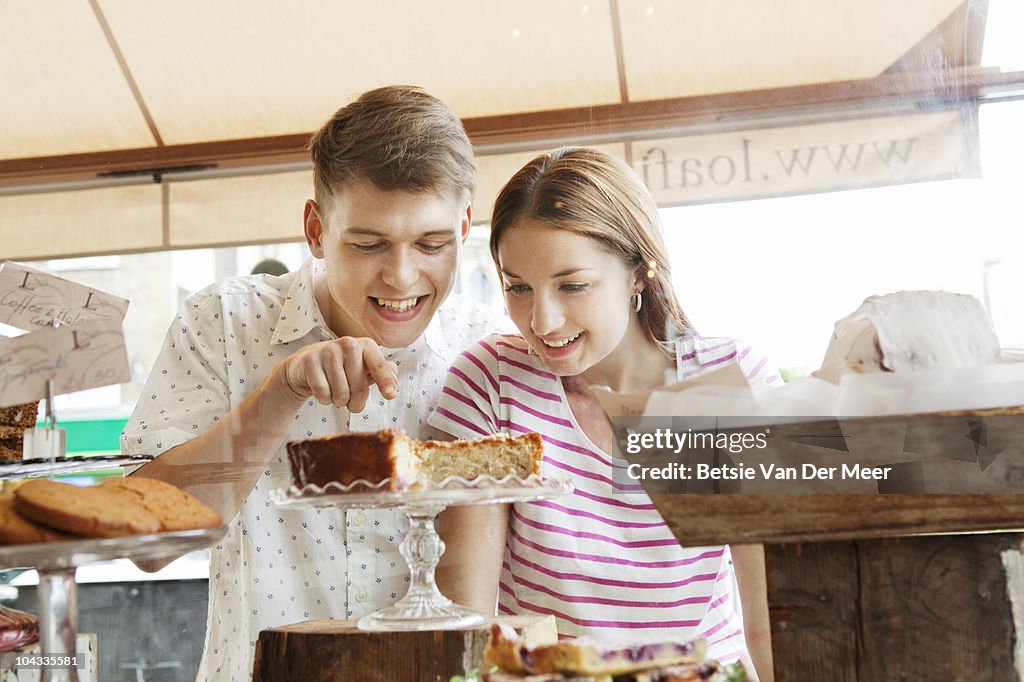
[[340, 372]]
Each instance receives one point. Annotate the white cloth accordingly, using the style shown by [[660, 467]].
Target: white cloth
[[282, 566]]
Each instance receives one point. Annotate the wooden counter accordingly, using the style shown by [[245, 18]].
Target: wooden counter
[[856, 592]]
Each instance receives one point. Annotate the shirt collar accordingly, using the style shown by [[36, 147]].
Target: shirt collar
[[435, 337], [300, 313]]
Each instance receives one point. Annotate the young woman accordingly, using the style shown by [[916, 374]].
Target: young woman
[[578, 244]]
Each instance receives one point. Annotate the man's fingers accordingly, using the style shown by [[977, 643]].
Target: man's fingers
[[357, 402], [341, 372], [382, 372], [318, 381]]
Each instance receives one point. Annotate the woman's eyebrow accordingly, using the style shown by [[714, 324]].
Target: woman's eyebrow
[[570, 271]]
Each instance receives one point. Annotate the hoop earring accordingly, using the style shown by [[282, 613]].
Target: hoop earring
[[638, 301]]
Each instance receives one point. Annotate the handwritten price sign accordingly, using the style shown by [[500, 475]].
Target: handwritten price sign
[[85, 348], [31, 299], [86, 355]]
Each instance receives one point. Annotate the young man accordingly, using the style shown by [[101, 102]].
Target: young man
[[358, 339]]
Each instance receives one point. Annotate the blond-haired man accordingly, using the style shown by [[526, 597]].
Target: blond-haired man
[[357, 339]]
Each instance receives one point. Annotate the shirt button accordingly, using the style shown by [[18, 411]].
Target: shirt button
[[359, 519], [361, 596]]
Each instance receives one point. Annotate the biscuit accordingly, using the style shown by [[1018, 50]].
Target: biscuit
[[174, 508], [17, 530], [89, 511]]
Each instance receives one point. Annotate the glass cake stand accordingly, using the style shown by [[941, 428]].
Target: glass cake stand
[[56, 563], [423, 607]]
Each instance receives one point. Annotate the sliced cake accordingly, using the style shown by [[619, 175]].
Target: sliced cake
[[408, 464]]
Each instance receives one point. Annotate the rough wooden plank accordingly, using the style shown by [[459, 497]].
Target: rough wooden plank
[[923, 608], [816, 518], [812, 599], [936, 608]]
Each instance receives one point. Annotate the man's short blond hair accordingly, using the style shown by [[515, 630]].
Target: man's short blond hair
[[397, 138]]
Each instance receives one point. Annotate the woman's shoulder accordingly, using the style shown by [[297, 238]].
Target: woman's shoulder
[[503, 355], [501, 346], [698, 347]]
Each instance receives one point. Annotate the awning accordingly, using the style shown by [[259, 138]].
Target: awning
[[145, 126]]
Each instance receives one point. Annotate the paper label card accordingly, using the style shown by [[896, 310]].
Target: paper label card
[[85, 355], [31, 299]]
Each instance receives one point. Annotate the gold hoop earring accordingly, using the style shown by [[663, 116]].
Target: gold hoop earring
[[638, 302]]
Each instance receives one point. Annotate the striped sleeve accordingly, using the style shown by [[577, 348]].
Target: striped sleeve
[[756, 366], [700, 354], [470, 399]]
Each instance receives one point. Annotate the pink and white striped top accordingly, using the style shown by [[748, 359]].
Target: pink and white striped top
[[601, 561]]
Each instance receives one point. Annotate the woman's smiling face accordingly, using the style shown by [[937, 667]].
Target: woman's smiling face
[[568, 294]]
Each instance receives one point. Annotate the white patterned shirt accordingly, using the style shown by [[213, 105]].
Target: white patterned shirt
[[277, 566]]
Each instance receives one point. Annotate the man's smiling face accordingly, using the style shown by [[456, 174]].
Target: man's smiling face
[[391, 258]]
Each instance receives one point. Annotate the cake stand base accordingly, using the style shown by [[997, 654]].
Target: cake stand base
[[423, 607], [396, 618]]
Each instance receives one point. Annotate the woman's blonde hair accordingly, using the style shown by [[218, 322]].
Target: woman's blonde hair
[[594, 194]]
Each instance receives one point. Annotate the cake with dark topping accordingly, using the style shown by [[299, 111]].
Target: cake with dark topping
[[409, 464]]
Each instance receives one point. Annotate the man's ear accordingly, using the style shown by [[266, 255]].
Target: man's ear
[[467, 221], [314, 228]]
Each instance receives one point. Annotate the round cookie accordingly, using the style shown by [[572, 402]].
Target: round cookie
[[174, 508], [89, 511], [17, 530]]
